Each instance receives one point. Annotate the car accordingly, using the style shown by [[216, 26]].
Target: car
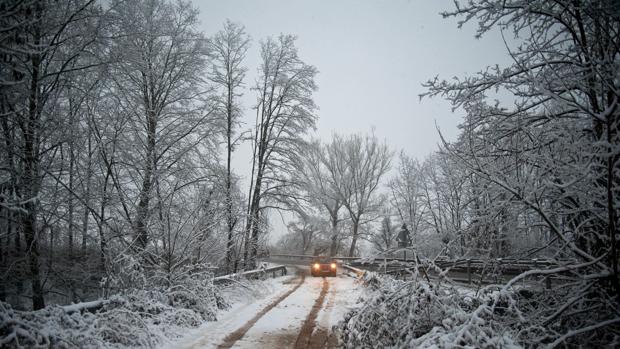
[[323, 266]]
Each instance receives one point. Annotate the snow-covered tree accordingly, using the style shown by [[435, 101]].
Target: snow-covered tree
[[159, 81], [318, 184], [406, 194], [384, 239], [284, 113], [358, 162], [227, 50], [550, 157]]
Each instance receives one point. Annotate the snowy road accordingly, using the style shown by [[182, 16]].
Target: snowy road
[[299, 313]]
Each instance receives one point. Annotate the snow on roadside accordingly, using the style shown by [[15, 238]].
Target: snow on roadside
[[344, 293]]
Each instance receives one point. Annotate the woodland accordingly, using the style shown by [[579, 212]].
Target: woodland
[[119, 121]]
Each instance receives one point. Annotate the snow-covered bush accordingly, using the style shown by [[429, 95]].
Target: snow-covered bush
[[49, 327], [419, 314], [141, 316], [187, 286], [137, 320], [196, 292], [115, 325]]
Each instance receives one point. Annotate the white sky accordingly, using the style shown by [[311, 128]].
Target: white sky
[[372, 58]]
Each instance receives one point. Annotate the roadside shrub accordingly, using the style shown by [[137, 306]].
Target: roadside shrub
[[419, 314]]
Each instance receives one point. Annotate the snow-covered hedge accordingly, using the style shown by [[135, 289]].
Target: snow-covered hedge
[[141, 316], [419, 314], [137, 320]]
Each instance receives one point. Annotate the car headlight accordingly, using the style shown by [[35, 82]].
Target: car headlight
[[333, 265], [316, 266]]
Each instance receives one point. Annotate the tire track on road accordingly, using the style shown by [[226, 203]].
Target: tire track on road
[[305, 334], [323, 337], [233, 337]]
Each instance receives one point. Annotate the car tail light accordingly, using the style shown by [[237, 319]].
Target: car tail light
[[317, 266], [333, 265]]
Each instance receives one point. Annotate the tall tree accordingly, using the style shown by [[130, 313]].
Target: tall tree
[[158, 83], [386, 238], [443, 194], [319, 184], [359, 163], [406, 189], [227, 50], [284, 113]]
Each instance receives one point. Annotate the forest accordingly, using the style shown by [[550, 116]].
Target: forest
[[119, 121]]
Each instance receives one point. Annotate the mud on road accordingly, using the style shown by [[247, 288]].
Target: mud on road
[[305, 335]]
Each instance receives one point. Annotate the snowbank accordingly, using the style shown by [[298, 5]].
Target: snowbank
[[138, 319]]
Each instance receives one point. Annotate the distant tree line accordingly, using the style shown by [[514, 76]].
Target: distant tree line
[[446, 209]]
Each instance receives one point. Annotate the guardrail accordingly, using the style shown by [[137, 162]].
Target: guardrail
[[466, 270], [358, 272], [251, 274], [311, 257], [536, 262]]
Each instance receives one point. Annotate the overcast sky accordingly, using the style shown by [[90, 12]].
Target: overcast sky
[[372, 58]]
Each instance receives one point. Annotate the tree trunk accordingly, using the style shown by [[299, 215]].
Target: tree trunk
[[147, 179], [70, 228], [333, 248], [89, 174], [28, 224], [354, 240], [30, 182], [70, 199], [102, 212], [611, 210], [252, 229], [3, 254], [230, 221], [252, 241]]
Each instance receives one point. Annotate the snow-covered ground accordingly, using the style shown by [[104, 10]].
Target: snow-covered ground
[[306, 314]]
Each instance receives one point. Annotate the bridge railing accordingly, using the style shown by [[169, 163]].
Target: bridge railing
[[443, 263], [279, 270], [468, 270], [358, 272]]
